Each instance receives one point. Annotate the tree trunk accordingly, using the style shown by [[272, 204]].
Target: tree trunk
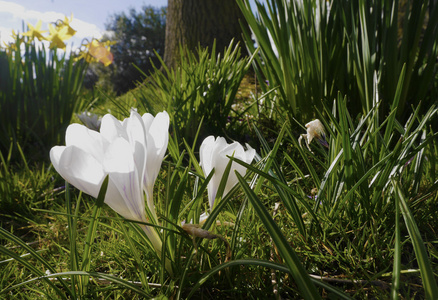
[[199, 22]]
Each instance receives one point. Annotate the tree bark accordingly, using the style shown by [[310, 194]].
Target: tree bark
[[199, 22]]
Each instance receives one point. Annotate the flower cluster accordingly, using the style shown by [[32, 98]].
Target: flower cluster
[[130, 153], [59, 32]]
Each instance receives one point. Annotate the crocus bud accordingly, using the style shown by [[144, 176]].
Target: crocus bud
[[213, 155]]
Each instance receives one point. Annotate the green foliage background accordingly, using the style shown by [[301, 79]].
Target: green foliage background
[[139, 38]]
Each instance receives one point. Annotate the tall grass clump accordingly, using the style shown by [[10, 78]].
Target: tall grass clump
[[40, 91], [201, 89], [22, 190], [310, 50], [40, 87], [343, 200]]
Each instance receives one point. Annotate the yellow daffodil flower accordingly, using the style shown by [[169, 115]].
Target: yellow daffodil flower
[[97, 52], [66, 24], [58, 36], [100, 53], [35, 32]]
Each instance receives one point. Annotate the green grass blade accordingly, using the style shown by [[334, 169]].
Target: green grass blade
[[289, 256], [193, 159], [9, 236], [395, 104], [275, 171], [72, 231], [397, 256], [279, 184], [307, 162], [260, 263], [429, 283], [92, 227], [136, 254], [113, 279]]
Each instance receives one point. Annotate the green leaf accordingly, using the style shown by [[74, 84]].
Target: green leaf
[[91, 233], [31, 266], [397, 255], [260, 263], [429, 283], [289, 256], [122, 283]]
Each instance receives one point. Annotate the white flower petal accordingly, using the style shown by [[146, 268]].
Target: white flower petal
[[137, 139], [55, 156], [147, 120], [111, 128], [203, 217], [157, 138], [119, 164], [206, 154], [209, 159], [158, 131], [233, 150], [315, 129], [86, 139], [121, 150], [79, 168], [114, 199]]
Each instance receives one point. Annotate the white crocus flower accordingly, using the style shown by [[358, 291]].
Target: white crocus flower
[[129, 152], [213, 155]]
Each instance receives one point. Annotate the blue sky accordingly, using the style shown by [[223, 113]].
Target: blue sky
[[89, 16]]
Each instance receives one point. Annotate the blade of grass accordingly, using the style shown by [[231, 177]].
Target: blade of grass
[[31, 266], [136, 254], [289, 256], [121, 282], [397, 255], [260, 263], [279, 183], [72, 230], [430, 285], [92, 230]]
